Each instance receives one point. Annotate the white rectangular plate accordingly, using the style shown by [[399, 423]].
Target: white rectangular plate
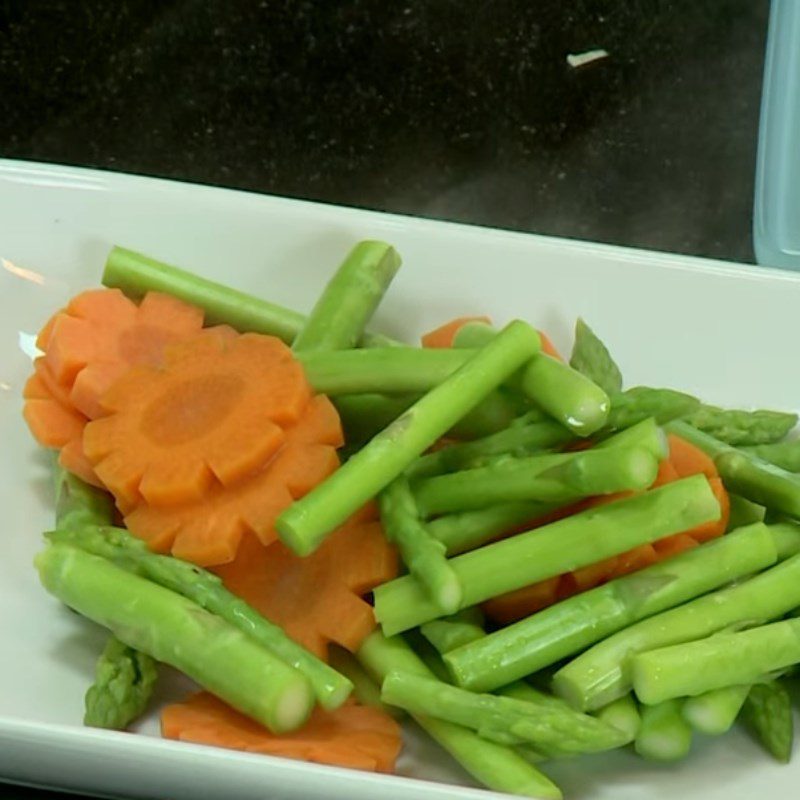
[[725, 332]]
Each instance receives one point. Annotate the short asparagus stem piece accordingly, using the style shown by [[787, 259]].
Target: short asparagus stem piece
[[136, 274], [623, 714], [78, 504], [306, 523], [743, 512], [576, 623], [604, 672], [786, 535], [348, 302], [768, 714], [714, 713], [591, 358], [664, 735], [364, 415], [742, 427], [571, 398], [208, 591], [562, 546], [422, 553], [176, 631], [124, 682], [505, 720], [727, 659], [496, 766], [365, 690], [557, 478], [447, 634]]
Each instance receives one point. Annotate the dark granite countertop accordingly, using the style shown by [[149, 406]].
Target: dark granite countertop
[[464, 110]]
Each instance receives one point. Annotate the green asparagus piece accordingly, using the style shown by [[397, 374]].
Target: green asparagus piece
[[306, 523], [576, 623], [124, 682], [726, 659], [496, 766], [768, 714], [451, 632], [421, 552], [78, 504], [742, 427], [786, 535], [365, 690], [714, 712], [567, 395], [642, 402], [207, 591], [604, 673], [743, 512], [137, 274], [470, 529], [622, 714], [562, 546], [364, 415], [782, 454], [559, 478], [176, 631], [474, 334], [664, 735], [350, 298], [591, 357], [381, 370], [746, 474]]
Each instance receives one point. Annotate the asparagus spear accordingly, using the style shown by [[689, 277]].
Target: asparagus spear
[[350, 298], [746, 474], [786, 535], [421, 553], [591, 357], [664, 735], [743, 512], [642, 402], [364, 415], [470, 529], [306, 523], [504, 720], [176, 631], [567, 395], [474, 334], [622, 714], [496, 766], [558, 478], [562, 546], [137, 274], [742, 427], [782, 454], [768, 714], [604, 673], [714, 712], [78, 504], [573, 624], [727, 659], [452, 632], [208, 591], [365, 690], [123, 685]]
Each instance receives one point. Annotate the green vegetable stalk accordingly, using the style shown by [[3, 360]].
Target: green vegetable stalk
[[365, 690], [714, 712], [622, 714], [421, 552], [782, 454], [604, 672], [591, 358], [175, 631], [574, 624], [727, 659], [208, 591], [364, 415], [124, 682], [562, 546], [451, 632], [350, 298], [498, 767], [664, 735], [78, 504], [643, 402], [306, 523], [768, 714], [742, 427]]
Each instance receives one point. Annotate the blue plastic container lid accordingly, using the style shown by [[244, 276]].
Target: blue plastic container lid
[[776, 217]]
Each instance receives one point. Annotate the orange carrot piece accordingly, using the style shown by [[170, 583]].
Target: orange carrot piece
[[523, 602], [674, 545], [208, 531], [666, 474], [355, 736], [710, 530], [443, 335], [317, 599], [640, 557], [688, 459], [594, 574], [214, 412], [548, 347]]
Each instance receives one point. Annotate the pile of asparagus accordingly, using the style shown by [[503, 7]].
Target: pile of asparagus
[[500, 701]]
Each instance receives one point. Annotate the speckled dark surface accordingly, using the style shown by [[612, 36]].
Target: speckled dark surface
[[456, 109]]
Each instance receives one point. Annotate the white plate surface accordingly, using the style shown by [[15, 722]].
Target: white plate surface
[[725, 332]]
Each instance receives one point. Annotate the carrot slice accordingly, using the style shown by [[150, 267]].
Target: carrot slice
[[548, 347], [208, 531], [213, 412], [710, 530], [443, 335], [355, 736], [640, 557], [317, 599], [674, 545], [523, 602], [688, 459]]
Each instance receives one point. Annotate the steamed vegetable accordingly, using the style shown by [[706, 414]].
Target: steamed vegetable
[[768, 714], [664, 735], [742, 427], [591, 357], [714, 712]]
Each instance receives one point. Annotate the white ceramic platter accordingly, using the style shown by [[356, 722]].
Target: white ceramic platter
[[726, 332]]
